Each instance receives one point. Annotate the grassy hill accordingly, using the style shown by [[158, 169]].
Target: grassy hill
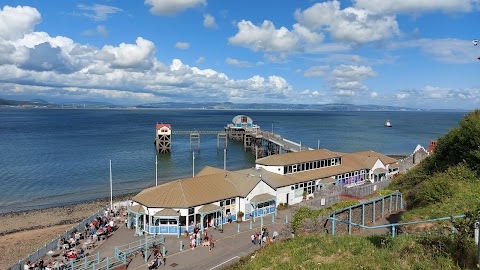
[[444, 184]]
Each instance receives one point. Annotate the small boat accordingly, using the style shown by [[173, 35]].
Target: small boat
[[388, 124]]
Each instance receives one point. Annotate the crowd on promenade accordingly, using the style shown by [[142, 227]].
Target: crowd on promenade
[[74, 246], [263, 237], [206, 240]]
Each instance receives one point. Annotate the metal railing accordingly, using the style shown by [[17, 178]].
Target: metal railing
[[136, 246], [378, 200], [394, 226]]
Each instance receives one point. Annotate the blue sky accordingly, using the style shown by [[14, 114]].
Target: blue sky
[[393, 52]]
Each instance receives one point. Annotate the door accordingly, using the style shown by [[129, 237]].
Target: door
[[288, 197]]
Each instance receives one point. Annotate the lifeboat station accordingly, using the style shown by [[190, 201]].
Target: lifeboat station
[[215, 196]]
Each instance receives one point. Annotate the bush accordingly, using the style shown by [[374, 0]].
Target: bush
[[240, 215], [384, 192]]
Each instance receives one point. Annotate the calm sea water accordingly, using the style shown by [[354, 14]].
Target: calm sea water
[[58, 157]]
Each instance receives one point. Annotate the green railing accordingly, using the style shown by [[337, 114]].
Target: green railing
[[395, 204], [394, 226], [129, 249]]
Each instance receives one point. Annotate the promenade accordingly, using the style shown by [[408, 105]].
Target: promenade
[[230, 246]]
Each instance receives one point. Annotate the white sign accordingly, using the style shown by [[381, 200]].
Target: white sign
[[322, 201]]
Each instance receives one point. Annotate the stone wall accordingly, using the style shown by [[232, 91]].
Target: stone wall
[[412, 160]]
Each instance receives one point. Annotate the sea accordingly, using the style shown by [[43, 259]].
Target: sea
[[58, 157]]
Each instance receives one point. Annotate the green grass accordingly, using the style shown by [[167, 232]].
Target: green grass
[[352, 252]]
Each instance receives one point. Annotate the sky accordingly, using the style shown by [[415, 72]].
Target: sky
[[409, 53]]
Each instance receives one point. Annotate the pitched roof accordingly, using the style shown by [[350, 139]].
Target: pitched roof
[[209, 170], [198, 190], [368, 158], [297, 157], [166, 213], [262, 197], [137, 209], [209, 208]]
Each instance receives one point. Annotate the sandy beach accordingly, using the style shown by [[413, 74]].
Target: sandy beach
[[21, 233]]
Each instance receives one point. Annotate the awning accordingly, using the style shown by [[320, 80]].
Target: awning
[[137, 209], [167, 212], [209, 208], [265, 197], [379, 170]]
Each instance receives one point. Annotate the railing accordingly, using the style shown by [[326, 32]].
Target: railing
[[136, 246], [394, 226], [52, 245], [391, 202], [94, 262]]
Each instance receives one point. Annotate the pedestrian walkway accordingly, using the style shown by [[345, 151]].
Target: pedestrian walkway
[[230, 245]]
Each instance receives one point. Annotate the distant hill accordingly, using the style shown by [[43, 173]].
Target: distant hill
[[274, 106], [35, 102]]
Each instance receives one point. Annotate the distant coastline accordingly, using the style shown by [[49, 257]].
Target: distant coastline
[[42, 104]]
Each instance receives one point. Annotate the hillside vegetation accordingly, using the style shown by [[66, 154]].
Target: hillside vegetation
[[445, 184]]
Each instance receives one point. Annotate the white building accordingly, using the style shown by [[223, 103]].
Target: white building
[[214, 195]]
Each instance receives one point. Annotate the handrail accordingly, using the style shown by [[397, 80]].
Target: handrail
[[394, 225]]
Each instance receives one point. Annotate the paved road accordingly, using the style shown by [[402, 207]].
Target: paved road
[[230, 245]]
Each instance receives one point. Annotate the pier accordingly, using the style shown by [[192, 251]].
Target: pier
[[260, 143]]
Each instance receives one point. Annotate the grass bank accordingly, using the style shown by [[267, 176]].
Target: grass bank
[[356, 252]]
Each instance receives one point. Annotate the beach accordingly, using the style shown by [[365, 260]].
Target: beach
[[21, 233]]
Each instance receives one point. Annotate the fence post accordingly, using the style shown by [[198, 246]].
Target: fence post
[[396, 202], [333, 225], [98, 257], [250, 224], [393, 230], [390, 210], [164, 252], [85, 259], [401, 201], [108, 265], [373, 212], [261, 221], [71, 264], [383, 207], [363, 214], [181, 245], [349, 221], [286, 219], [273, 218], [238, 227], [146, 249]]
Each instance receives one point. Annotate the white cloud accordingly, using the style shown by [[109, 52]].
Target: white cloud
[[351, 24], [209, 21], [17, 21], [236, 62], [353, 73], [100, 12], [311, 94], [172, 7], [182, 45], [373, 94], [347, 80], [264, 37], [135, 56], [316, 71], [414, 6], [200, 60]]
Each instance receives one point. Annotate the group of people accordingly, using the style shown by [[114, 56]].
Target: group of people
[[158, 259], [263, 237], [206, 240], [40, 265]]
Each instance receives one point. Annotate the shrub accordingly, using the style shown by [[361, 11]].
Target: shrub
[[240, 215], [385, 192]]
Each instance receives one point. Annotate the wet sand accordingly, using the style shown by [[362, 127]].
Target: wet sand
[[21, 233]]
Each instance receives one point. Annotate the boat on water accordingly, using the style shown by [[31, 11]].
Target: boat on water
[[388, 124]]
